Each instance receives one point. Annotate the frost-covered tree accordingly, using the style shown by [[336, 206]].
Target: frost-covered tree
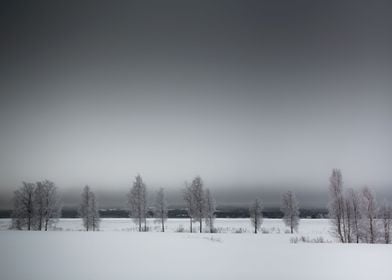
[[290, 210], [386, 218], [88, 210], [355, 208], [210, 210], [256, 214], [161, 207], [198, 195], [52, 204], [23, 213], [369, 210], [347, 219], [39, 205], [18, 215], [336, 204], [84, 210], [137, 203], [47, 204], [189, 204], [95, 218], [17, 219]]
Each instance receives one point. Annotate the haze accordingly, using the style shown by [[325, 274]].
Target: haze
[[254, 96]]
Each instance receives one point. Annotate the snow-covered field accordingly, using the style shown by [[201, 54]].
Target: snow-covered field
[[118, 252], [308, 227]]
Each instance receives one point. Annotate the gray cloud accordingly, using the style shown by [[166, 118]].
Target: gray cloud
[[266, 96]]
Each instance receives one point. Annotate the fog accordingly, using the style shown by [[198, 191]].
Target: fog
[[255, 97]]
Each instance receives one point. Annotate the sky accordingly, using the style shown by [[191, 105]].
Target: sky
[[256, 97]]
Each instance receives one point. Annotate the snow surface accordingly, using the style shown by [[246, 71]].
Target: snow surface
[[308, 227], [117, 252]]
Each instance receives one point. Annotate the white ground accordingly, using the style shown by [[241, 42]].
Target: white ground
[[117, 252], [312, 227]]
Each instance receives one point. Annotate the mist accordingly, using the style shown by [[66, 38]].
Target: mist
[[256, 98]]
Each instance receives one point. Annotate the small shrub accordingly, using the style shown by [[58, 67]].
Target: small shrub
[[294, 240], [239, 230], [306, 239], [180, 228], [264, 230], [213, 239]]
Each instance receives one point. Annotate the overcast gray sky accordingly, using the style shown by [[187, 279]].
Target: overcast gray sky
[[255, 96]]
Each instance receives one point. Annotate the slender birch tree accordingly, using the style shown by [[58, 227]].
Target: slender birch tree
[[355, 207], [88, 210], [256, 214], [161, 207], [39, 205], [52, 204], [336, 204], [189, 204], [24, 211], [369, 210], [386, 219], [95, 218], [137, 203], [290, 210], [47, 204], [210, 210], [198, 195]]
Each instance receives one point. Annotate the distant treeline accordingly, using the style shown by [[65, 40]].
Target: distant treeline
[[222, 212]]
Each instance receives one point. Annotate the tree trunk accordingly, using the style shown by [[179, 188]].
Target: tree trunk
[[356, 227], [201, 225], [163, 225], [371, 231], [190, 220], [255, 225]]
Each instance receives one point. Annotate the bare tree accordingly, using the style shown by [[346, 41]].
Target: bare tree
[[88, 210], [161, 208], [189, 204], [256, 214], [84, 210], [348, 217], [23, 212], [18, 220], [52, 206], [198, 195], [386, 218], [137, 202], [210, 210], [47, 204], [39, 205], [336, 204], [290, 210], [95, 218], [370, 215], [354, 207]]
